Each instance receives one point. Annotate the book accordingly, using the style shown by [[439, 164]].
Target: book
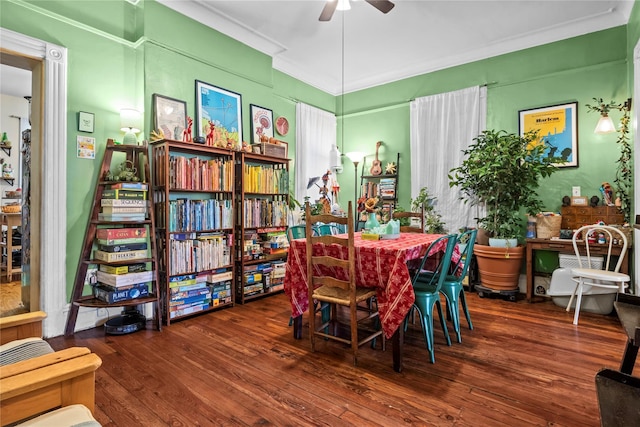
[[122, 217], [123, 202], [124, 194], [123, 209], [120, 280], [122, 241], [121, 233], [122, 269], [119, 256], [136, 186], [123, 248], [111, 296]]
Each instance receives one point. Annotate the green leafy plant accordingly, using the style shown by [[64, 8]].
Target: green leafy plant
[[432, 219], [624, 172], [502, 170]]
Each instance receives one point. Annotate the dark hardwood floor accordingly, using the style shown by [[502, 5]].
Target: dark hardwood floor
[[523, 365]]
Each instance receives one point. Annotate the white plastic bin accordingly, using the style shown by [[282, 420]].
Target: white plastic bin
[[571, 261]]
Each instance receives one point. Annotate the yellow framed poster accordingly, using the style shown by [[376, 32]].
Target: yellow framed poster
[[557, 125]]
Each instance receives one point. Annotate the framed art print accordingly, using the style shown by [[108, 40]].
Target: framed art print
[[85, 122], [169, 116], [261, 123], [557, 125], [218, 116]]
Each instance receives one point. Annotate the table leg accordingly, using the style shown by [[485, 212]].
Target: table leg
[[297, 327], [629, 358], [397, 341], [530, 279]]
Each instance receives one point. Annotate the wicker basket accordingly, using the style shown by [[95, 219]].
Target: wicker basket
[[548, 226], [11, 208]]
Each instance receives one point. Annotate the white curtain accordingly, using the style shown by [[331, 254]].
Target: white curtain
[[442, 126], [316, 132]]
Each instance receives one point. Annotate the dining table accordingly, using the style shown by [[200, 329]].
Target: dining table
[[382, 264]]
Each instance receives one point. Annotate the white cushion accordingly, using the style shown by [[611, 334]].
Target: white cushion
[[19, 350], [67, 416]]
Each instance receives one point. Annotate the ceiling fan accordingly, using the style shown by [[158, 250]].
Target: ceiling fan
[[383, 6]]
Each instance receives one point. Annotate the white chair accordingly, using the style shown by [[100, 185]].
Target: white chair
[[585, 239]]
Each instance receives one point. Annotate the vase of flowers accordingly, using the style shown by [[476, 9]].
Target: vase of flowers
[[369, 207]]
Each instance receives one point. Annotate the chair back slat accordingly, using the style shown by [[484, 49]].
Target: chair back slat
[[586, 238], [409, 215], [465, 256], [443, 261]]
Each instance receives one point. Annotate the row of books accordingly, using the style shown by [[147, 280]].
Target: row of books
[[199, 254], [387, 188], [193, 173], [265, 212], [268, 179], [197, 215], [192, 293]]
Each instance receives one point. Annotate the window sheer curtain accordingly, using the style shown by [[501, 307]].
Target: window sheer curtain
[[441, 127], [316, 132]]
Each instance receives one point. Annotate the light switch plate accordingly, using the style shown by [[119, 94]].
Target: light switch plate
[[575, 192]]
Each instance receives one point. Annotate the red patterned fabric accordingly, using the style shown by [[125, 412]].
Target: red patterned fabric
[[381, 264]]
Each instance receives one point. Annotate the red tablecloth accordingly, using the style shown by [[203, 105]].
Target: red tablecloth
[[380, 264]]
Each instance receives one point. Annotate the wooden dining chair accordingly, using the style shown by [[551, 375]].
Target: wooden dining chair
[[411, 228], [426, 287], [331, 278]]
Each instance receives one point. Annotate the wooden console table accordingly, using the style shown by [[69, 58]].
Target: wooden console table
[[565, 246], [10, 221]]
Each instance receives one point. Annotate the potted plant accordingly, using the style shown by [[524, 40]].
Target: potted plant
[[433, 223], [502, 170]]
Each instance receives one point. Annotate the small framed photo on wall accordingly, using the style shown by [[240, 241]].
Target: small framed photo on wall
[[85, 122], [261, 124]]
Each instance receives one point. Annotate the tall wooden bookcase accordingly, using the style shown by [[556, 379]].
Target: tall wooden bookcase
[[193, 198], [262, 200], [383, 186], [137, 156]]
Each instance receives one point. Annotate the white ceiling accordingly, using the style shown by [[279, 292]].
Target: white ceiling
[[414, 38]]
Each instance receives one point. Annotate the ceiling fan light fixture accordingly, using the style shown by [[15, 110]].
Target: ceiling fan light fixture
[[343, 5]]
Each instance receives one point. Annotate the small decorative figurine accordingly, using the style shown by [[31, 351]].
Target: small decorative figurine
[[566, 201], [607, 194], [594, 201], [212, 129], [7, 171], [390, 169], [186, 134]]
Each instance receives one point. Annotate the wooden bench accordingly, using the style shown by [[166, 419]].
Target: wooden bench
[[628, 309], [40, 384]]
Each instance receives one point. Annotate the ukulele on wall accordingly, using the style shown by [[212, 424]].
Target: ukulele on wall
[[376, 166]]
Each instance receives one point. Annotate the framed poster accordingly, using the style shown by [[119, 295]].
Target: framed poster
[[218, 116], [169, 116], [261, 123], [557, 125]]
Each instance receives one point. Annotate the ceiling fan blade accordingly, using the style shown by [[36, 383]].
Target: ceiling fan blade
[[328, 10], [383, 6]]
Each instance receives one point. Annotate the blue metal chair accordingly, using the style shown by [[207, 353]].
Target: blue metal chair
[[296, 232], [427, 290], [452, 287]]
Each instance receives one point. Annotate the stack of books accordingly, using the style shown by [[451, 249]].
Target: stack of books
[[387, 188], [117, 283], [124, 201]]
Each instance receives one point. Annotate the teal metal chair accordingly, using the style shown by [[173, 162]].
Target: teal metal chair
[[296, 232], [323, 230], [452, 287], [427, 290]]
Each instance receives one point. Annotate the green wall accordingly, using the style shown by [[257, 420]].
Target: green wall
[[119, 55], [577, 69]]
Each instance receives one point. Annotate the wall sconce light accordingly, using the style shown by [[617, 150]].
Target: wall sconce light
[[130, 124], [605, 125]]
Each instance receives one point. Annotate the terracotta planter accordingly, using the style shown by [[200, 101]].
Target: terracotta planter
[[499, 268]]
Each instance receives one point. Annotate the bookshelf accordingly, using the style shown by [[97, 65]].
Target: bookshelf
[[193, 199], [122, 241], [384, 186], [262, 200]]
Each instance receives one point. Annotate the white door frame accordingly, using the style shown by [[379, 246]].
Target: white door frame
[[53, 213], [636, 150]]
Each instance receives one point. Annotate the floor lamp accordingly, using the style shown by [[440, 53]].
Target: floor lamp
[[356, 157]]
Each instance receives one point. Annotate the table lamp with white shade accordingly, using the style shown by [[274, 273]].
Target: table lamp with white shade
[[130, 124]]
